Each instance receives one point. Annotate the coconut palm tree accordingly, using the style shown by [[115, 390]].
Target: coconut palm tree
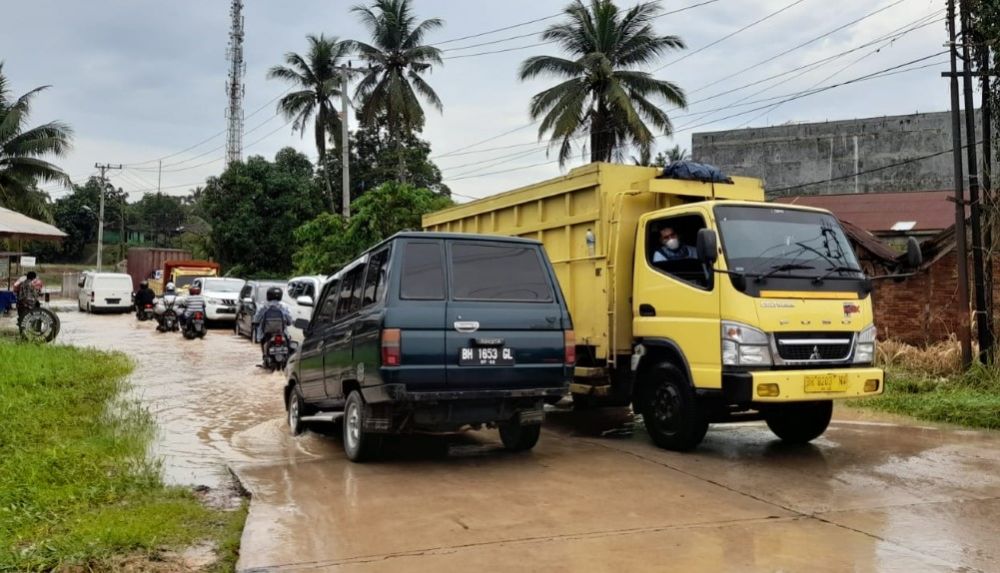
[[22, 150], [317, 83], [604, 94], [397, 58], [678, 153]]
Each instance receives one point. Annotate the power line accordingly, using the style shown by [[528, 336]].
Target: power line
[[504, 29]]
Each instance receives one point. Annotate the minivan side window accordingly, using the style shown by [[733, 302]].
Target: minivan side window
[[375, 278], [329, 306], [482, 271], [423, 272], [350, 289]]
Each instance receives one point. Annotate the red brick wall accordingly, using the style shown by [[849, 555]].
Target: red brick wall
[[924, 308]]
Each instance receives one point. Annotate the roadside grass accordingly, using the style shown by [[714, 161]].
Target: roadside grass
[[76, 488], [969, 399]]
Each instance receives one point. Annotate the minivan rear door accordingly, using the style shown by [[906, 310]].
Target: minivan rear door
[[504, 322]]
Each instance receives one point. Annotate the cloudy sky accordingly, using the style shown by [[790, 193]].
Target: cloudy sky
[[143, 80]]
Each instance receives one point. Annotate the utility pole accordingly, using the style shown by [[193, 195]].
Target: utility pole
[[964, 334], [159, 176], [345, 145], [987, 353], [104, 167], [235, 88], [983, 331]]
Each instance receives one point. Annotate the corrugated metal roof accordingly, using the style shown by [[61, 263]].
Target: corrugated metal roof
[[929, 211], [14, 225]]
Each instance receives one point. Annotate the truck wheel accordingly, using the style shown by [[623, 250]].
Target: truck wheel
[[670, 409], [359, 445], [518, 438], [800, 422]]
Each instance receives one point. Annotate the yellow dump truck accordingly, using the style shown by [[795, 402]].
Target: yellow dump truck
[[696, 302]]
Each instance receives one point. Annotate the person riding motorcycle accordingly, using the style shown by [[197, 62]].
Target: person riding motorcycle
[[167, 302], [144, 296], [193, 303], [272, 308]]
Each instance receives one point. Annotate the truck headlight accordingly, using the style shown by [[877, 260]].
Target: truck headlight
[[744, 345], [864, 348]]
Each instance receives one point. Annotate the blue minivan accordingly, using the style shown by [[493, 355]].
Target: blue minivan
[[434, 332]]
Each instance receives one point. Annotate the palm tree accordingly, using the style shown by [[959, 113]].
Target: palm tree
[[318, 82], [678, 153], [22, 150], [604, 94], [396, 58]]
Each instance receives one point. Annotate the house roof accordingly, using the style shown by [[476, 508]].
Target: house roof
[[918, 211], [14, 225]]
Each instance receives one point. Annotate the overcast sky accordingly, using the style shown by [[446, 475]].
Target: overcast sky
[[140, 79]]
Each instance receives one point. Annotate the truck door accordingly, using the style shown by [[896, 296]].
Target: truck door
[[675, 298], [504, 322]]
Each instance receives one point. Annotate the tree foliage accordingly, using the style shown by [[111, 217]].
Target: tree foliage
[[603, 95], [328, 242], [162, 215], [254, 208], [23, 149]]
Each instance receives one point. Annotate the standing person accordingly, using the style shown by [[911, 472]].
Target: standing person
[[28, 291]]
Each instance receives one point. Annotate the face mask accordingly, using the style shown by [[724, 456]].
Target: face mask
[[673, 244]]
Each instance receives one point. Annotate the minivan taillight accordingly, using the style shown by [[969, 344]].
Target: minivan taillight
[[391, 355], [570, 338]]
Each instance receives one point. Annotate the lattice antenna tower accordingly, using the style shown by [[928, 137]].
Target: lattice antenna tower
[[235, 88]]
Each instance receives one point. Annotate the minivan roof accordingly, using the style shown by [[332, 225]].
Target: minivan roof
[[462, 236]]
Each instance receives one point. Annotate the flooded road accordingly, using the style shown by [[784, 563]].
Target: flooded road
[[873, 494]]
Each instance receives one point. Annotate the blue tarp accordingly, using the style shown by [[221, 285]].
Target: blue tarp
[[691, 171], [7, 301]]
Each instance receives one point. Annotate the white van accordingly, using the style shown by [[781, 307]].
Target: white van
[[299, 287], [106, 292]]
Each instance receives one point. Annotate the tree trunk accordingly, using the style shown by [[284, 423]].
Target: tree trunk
[[401, 157], [319, 130]]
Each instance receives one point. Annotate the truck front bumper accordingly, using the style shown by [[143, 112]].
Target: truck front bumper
[[801, 385]]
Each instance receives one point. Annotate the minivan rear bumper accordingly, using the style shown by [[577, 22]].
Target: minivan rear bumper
[[399, 393]]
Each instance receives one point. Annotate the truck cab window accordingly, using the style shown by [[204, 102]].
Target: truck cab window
[[670, 249]]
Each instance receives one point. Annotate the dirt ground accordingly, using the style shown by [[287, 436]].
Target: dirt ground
[[874, 494]]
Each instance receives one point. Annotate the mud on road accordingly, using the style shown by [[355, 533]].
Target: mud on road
[[874, 494]]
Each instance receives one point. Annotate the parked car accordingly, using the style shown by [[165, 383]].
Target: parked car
[[110, 292], [299, 287], [252, 295], [434, 332], [221, 296]]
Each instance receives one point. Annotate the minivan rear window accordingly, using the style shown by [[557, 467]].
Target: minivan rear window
[[423, 272], [498, 272]]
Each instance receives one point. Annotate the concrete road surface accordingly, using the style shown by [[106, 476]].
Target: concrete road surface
[[874, 494]]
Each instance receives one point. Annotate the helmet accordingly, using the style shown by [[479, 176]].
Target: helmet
[[274, 293], [144, 284], [170, 287], [194, 290]]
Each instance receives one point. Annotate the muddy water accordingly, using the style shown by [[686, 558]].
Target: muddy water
[[202, 394]]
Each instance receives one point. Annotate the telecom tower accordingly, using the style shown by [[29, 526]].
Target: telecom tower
[[235, 87]]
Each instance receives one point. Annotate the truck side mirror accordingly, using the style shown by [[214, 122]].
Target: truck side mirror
[[304, 300], [914, 257], [708, 246]]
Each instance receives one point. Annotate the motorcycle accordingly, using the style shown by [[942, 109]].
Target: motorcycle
[[145, 313], [194, 326], [277, 349], [167, 321]]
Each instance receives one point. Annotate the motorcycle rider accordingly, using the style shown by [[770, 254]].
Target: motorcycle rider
[[272, 308], [167, 302], [143, 296], [193, 303]]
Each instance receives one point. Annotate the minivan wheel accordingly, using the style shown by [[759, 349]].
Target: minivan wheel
[[359, 445], [670, 411], [296, 407], [518, 438], [800, 422]]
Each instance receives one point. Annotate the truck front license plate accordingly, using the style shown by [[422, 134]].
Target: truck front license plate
[[817, 383], [489, 356]]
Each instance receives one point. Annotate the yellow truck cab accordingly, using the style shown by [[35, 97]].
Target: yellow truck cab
[[753, 311]]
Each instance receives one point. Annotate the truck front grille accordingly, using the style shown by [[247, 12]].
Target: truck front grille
[[814, 346]]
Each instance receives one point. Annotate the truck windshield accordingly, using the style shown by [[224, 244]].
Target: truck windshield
[[184, 281], [774, 240]]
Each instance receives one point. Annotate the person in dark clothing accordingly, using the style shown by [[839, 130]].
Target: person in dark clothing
[[28, 291], [144, 296]]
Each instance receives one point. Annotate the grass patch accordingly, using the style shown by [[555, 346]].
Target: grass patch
[[969, 399], [76, 489]]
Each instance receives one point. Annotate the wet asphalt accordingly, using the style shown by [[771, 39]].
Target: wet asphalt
[[873, 494]]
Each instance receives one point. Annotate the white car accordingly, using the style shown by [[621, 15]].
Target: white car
[[306, 286], [221, 297], [110, 292]]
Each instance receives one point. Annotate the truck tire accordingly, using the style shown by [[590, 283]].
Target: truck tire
[[359, 445], [670, 410], [800, 422], [518, 438]]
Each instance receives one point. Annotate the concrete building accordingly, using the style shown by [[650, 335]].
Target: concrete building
[[832, 157]]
